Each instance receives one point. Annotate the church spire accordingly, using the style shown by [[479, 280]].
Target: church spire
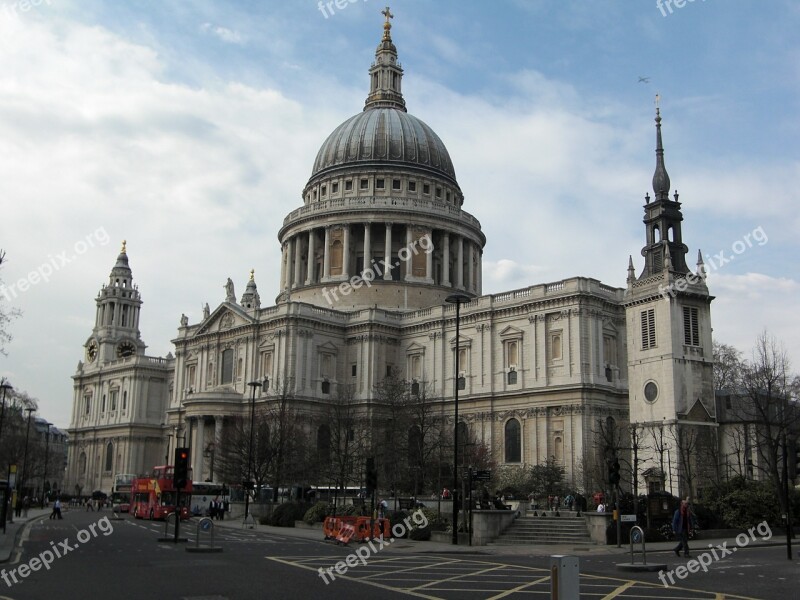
[[385, 74], [660, 177]]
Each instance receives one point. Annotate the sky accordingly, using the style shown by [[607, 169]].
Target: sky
[[189, 128]]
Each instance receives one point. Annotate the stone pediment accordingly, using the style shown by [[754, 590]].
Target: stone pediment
[[415, 347], [328, 347], [511, 331], [225, 316], [698, 413]]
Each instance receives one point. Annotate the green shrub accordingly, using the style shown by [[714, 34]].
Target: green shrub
[[318, 512], [287, 513]]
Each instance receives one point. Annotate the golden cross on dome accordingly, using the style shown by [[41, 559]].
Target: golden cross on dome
[[387, 25], [124, 242], [252, 274]]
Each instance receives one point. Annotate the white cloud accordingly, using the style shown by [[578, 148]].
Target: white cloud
[[228, 36]]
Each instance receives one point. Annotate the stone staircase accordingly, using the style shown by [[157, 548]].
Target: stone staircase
[[529, 530]]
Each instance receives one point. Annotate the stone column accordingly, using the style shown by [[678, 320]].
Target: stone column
[[387, 253], [197, 467], [367, 246], [284, 285], [298, 260], [346, 253], [460, 265], [218, 422], [471, 259], [326, 261], [446, 260], [429, 256], [479, 274], [409, 241], [311, 261]]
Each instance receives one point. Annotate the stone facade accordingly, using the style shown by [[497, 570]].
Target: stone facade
[[367, 262]]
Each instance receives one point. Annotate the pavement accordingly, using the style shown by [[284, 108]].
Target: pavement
[[10, 540], [428, 547]]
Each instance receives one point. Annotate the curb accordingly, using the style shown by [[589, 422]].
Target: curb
[[17, 536]]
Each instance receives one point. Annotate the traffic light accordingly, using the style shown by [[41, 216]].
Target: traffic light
[[372, 476], [180, 474], [613, 472]]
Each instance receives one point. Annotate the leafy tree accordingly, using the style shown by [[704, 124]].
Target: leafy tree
[[547, 478]]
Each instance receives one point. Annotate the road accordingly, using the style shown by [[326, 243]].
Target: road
[[90, 555]]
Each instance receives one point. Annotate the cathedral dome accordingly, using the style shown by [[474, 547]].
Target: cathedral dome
[[384, 136]]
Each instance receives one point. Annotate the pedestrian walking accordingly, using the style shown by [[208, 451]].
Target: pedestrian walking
[[56, 510], [681, 524]]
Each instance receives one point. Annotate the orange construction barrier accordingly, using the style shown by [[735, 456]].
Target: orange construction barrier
[[332, 526], [346, 533], [379, 527]]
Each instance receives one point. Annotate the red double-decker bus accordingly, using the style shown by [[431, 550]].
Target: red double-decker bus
[[154, 497]]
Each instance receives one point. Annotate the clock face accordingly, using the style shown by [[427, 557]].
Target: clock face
[[126, 349], [91, 351]]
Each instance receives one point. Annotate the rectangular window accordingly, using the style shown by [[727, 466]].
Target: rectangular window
[[691, 330], [114, 400], [348, 185], [648, 328], [426, 189], [324, 190], [334, 188], [227, 366], [364, 184], [396, 185], [103, 404], [379, 184], [438, 192], [87, 404], [353, 370], [447, 197], [412, 186]]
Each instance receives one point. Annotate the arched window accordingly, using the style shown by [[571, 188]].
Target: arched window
[[337, 256], [227, 366], [556, 346], [558, 449], [324, 443], [513, 442], [109, 457]]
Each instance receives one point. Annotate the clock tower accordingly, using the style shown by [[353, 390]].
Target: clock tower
[[116, 328], [670, 364]]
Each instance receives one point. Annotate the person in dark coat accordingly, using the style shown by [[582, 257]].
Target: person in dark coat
[[681, 524]]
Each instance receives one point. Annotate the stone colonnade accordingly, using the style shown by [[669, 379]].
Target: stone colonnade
[[417, 254]]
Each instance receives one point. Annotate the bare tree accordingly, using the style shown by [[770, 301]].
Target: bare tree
[[767, 402], [727, 364], [349, 439], [392, 422], [6, 314]]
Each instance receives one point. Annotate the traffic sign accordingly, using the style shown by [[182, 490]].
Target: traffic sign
[[628, 518], [485, 475]]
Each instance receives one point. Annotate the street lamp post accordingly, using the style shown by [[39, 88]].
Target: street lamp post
[[253, 385], [21, 485], [458, 300], [5, 385], [46, 457]]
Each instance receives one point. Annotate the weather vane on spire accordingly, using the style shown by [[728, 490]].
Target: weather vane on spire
[[387, 25], [658, 102]]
